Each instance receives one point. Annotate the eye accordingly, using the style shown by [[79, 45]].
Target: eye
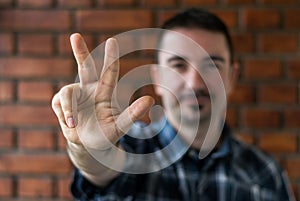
[[179, 65], [210, 66]]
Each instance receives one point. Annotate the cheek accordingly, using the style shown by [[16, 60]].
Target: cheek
[[218, 88], [226, 84], [171, 82]]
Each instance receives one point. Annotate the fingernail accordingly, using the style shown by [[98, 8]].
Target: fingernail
[[70, 122]]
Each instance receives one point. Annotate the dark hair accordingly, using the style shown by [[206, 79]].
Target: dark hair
[[198, 18]]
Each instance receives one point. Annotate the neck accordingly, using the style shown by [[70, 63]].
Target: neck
[[202, 133], [203, 136]]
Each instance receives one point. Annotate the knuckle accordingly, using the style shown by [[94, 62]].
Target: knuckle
[[65, 91], [54, 101]]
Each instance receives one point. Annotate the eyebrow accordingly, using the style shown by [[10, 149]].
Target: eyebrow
[[214, 58], [208, 58], [173, 58]]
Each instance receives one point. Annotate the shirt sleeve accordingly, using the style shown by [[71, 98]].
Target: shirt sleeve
[[285, 190], [125, 186], [83, 190]]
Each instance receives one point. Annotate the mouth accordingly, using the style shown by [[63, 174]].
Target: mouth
[[198, 100], [195, 101], [196, 107]]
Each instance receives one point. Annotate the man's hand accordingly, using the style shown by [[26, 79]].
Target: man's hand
[[85, 110]]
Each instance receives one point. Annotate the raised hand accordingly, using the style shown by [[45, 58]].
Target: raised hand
[[85, 110]]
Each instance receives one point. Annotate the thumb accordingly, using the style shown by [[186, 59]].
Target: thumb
[[134, 112]]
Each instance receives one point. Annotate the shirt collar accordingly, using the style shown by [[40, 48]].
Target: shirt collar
[[168, 133]]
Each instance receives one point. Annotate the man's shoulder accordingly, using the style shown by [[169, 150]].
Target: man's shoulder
[[254, 162], [246, 151]]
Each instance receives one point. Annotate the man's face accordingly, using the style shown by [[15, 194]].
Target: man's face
[[191, 75]]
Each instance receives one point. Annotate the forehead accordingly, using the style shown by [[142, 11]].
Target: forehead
[[193, 43]]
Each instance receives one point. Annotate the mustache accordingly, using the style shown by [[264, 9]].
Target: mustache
[[195, 94]]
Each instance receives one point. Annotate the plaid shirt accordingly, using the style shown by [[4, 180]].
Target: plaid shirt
[[233, 172]]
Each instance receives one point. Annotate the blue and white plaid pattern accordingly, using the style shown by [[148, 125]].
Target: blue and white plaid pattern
[[234, 172]]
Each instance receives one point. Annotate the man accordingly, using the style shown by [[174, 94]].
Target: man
[[212, 164]]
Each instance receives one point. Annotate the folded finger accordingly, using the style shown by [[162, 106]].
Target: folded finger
[[134, 112], [68, 101], [56, 106]]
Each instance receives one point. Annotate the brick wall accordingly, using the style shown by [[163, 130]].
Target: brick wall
[[36, 60]]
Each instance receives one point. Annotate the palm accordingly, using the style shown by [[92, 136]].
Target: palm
[[98, 124]]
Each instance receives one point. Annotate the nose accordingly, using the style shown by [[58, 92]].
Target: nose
[[194, 79]]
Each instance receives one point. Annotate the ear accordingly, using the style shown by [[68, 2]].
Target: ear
[[155, 76], [233, 76]]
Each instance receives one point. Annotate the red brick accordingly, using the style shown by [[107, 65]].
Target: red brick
[[164, 15], [64, 188], [278, 93], [35, 187], [242, 94], [243, 43], [293, 69], [7, 139], [158, 3], [149, 90], [35, 91], [130, 42], [261, 18], [113, 20], [34, 3], [292, 166], [261, 118], [228, 16], [278, 43], [64, 45], [35, 163], [292, 18], [35, 44], [198, 2], [62, 142], [6, 187], [245, 137], [232, 117], [63, 83], [4, 3], [20, 20], [239, 1], [296, 190], [278, 2], [116, 2], [75, 3], [262, 69], [292, 118], [278, 142], [6, 91], [6, 43], [37, 68], [297, 193], [35, 139], [128, 64], [29, 115]]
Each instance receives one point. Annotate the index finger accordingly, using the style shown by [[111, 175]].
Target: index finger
[[86, 65]]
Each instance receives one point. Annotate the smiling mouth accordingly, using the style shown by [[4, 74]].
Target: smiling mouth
[[199, 95], [196, 107]]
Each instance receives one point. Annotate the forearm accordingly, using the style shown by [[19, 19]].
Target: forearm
[[91, 168]]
